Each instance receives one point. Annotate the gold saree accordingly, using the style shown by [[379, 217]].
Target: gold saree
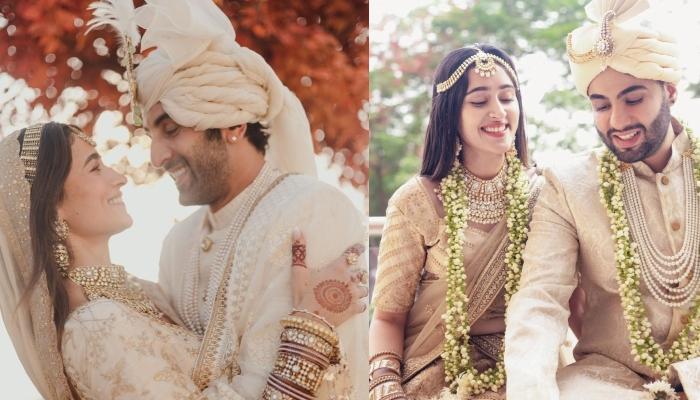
[[411, 278]]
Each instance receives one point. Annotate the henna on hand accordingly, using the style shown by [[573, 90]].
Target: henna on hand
[[299, 254], [333, 295]]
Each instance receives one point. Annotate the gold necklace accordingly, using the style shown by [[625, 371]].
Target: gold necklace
[[112, 282], [487, 200]]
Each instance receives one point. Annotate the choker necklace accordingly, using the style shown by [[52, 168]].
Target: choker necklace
[[112, 282], [487, 200]]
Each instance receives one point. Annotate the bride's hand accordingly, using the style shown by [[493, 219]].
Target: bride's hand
[[335, 292]]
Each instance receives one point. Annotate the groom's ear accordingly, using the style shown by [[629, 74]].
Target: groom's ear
[[234, 134], [671, 92]]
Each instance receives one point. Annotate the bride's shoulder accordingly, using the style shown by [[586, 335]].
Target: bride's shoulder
[[418, 190], [98, 311]]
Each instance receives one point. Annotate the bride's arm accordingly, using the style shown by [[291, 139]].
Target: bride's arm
[[322, 299], [112, 352]]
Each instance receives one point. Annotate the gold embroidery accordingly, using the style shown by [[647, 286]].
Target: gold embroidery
[[205, 367], [489, 345], [14, 224]]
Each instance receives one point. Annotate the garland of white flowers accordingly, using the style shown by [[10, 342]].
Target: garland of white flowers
[[644, 348], [459, 371]]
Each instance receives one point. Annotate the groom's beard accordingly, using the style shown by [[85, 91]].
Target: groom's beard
[[207, 165], [653, 136]]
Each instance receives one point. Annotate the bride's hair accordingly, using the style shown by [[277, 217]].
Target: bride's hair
[[53, 165], [443, 125]]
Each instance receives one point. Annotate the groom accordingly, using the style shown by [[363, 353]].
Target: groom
[[623, 224], [230, 133]]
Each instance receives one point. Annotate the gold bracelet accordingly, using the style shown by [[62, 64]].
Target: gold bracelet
[[391, 354], [383, 379], [271, 393], [302, 372], [315, 328], [314, 316], [311, 341], [276, 385], [386, 390], [391, 364], [305, 353]]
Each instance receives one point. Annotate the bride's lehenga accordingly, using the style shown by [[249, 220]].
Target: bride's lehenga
[[104, 341], [411, 279]]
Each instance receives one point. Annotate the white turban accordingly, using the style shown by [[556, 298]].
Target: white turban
[[204, 79], [639, 51]]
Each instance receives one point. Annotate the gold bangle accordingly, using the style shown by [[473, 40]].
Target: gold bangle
[[305, 353], [315, 328], [287, 389], [315, 317], [391, 364], [296, 369], [394, 396], [391, 354], [302, 338], [386, 390], [383, 379]]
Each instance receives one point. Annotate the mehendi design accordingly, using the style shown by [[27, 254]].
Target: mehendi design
[[299, 254], [333, 295]]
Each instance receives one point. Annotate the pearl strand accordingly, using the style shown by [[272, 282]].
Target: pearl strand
[[663, 274], [190, 300]]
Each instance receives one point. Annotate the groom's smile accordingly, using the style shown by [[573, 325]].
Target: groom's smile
[[180, 174]]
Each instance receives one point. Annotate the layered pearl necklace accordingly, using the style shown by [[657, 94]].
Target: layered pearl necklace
[[112, 282], [617, 191], [664, 275], [189, 302]]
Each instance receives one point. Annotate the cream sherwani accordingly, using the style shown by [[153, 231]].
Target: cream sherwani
[[570, 244], [240, 345]]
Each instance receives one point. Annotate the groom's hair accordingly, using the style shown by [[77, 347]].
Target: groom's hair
[[253, 131], [53, 165], [443, 126]]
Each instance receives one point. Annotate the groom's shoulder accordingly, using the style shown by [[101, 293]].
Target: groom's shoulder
[[303, 188], [579, 170]]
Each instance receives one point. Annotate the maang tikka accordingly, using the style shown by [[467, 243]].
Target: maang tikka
[[60, 250]]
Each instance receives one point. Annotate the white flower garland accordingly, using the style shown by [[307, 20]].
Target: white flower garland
[[644, 348], [459, 371]]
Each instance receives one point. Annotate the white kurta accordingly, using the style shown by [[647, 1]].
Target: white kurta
[[259, 289], [570, 244]]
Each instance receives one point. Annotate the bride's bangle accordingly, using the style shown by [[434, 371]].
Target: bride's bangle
[[314, 316], [311, 326]]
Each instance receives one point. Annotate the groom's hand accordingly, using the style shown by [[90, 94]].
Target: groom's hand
[[335, 292]]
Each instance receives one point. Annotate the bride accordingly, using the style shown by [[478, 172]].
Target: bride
[[84, 328]]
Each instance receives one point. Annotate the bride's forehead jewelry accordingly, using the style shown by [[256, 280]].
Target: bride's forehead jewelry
[[484, 65], [30, 147]]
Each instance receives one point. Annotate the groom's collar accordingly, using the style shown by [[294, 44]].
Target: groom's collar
[[214, 221]]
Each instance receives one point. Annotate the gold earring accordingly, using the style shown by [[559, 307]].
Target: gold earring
[[60, 251], [459, 149]]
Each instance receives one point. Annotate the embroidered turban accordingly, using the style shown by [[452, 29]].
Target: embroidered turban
[[615, 38]]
